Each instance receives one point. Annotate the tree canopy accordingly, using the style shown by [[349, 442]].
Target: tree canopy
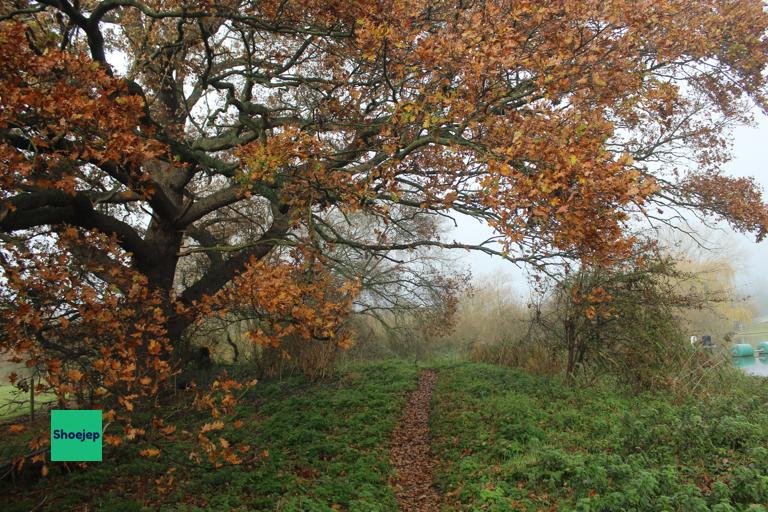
[[138, 135]]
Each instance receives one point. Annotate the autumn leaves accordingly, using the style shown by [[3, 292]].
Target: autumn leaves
[[221, 172]]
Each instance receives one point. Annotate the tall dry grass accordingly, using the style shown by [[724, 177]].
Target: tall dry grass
[[315, 359], [495, 325]]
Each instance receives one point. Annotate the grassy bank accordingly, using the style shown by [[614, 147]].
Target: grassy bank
[[504, 440], [511, 441], [326, 448]]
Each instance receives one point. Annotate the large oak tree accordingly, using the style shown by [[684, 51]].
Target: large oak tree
[[137, 134]]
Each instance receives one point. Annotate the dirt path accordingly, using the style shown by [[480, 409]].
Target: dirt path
[[410, 454]]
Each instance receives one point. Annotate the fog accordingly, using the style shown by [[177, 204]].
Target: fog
[[750, 154]]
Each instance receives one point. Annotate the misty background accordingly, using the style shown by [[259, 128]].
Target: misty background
[[748, 258]]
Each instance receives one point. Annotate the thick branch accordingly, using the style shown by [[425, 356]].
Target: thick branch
[[89, 25], [207, 239], [211, 203], [55, 207], [218, 276]]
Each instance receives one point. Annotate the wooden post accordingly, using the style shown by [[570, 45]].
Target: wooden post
[[32, 399]]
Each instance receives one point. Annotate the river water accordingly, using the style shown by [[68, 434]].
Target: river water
[[753, 365]]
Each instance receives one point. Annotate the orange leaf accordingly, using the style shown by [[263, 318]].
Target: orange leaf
[[216, 425], [154, 347], [113, 440]]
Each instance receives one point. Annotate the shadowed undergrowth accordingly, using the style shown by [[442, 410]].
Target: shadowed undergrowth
[[325, 446]]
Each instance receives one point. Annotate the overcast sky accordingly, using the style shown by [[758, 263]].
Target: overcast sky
[[751, 155], [750, 152]]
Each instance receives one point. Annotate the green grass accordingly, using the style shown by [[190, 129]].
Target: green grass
[[511, 441], [504, 440], [14, 403], [327, 443], [761, 328]]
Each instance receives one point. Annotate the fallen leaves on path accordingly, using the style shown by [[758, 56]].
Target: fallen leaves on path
[[410, 453]]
